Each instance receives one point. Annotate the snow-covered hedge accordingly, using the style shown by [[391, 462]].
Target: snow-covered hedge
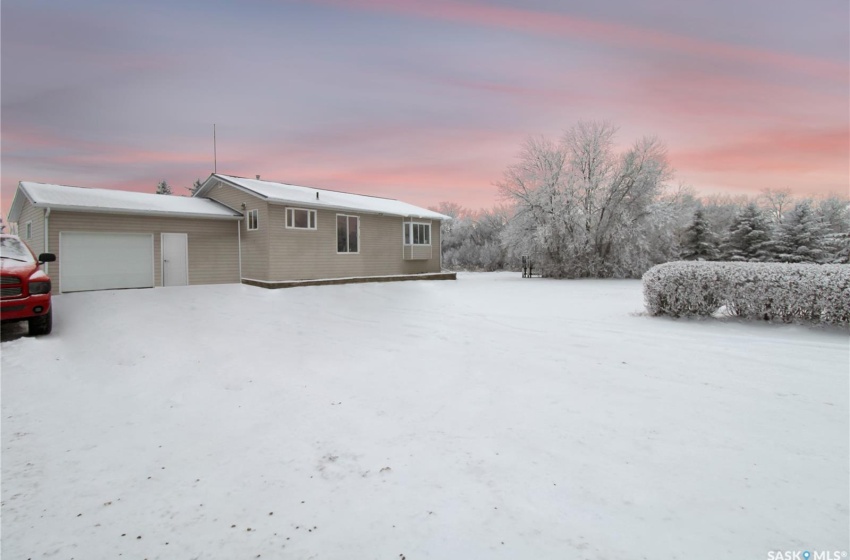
[[770, 291]]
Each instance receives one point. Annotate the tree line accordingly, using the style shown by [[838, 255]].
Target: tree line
[[163, 187], [579, 208]]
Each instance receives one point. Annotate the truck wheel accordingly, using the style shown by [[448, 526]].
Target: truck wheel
[[41, 325]]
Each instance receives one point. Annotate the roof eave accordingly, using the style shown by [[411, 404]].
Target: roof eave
[[209, 183], [205, 186], [102, 210], [272, 200], [300, 204], [18, 203]]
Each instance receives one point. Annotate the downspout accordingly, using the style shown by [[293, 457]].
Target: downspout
[[440, 229], [47, 237], [239, 240]]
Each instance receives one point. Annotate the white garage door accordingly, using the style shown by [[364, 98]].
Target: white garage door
[[105, 261]]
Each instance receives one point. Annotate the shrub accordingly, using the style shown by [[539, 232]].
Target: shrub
[[769, 291]]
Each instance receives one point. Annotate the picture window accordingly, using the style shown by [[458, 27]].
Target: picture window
[[347, 234]]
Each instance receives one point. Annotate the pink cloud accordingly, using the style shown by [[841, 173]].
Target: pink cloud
[[117, 156], [551, 23], [61, 150], [809, 162], [791, 150]]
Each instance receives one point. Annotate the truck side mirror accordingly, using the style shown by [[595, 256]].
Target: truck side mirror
[[46, 257]]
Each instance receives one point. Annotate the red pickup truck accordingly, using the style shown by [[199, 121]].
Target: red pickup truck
[[24, 287]]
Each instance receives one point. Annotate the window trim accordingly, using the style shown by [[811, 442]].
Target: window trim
[[256, 213], [28, 230], [336, 239], [408, 230], [310, 212]]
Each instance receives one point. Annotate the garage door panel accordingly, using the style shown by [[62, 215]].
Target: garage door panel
[[104, 261]]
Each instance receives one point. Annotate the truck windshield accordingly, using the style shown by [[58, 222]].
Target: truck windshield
[[11, 248]]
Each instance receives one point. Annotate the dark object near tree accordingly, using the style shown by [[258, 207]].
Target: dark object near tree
[[528, 268]]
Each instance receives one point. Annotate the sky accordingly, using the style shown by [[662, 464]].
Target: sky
[[420, 100]]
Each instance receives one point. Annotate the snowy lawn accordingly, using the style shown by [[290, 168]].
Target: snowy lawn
[[491, 417]]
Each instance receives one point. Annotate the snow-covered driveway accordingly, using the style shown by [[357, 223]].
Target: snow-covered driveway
[[491, 417]]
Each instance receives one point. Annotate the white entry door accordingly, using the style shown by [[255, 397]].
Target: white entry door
[[175, 259]]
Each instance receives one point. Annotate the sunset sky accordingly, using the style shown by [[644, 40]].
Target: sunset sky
[[422, 100]]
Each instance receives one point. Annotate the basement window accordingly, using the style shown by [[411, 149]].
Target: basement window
[[417, 233], [253, 220], [300, 218]]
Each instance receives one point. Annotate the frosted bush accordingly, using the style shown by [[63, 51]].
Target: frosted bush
[[769, 291]]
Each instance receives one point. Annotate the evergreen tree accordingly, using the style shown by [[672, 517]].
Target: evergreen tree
[[195, 186], [837, 247], [800, 238], [700, 243], [834, 211], [834, 214], [163, 187], [748, 238]]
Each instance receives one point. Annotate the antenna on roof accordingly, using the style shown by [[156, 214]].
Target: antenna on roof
[[215, 154]]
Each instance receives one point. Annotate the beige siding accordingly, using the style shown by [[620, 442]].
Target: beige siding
[[255, 244], [213, 246], [419, 252], [430, 255], [311, 254], [36, 215]]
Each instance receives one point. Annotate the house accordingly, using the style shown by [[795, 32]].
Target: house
[[233, 229]]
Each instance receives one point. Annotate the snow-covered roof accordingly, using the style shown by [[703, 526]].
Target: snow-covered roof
[[83, 199], [323, 198]]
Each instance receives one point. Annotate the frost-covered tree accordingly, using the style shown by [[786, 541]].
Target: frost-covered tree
[[800, 236], [834, 213], [580, 208], [700, 243], [535, 186], [748, 238], [451, 231], [487, 239], [837, 248], [776, 203], [661, 234], [470, 240], [720, 210], [194, 188], [163, 187]]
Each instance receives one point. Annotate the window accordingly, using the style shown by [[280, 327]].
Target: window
[[347, 234], [253, 220], [416, 233], [28, 231], [299, 218]]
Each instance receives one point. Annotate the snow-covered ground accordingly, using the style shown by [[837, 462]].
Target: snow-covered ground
[[491, 417]]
